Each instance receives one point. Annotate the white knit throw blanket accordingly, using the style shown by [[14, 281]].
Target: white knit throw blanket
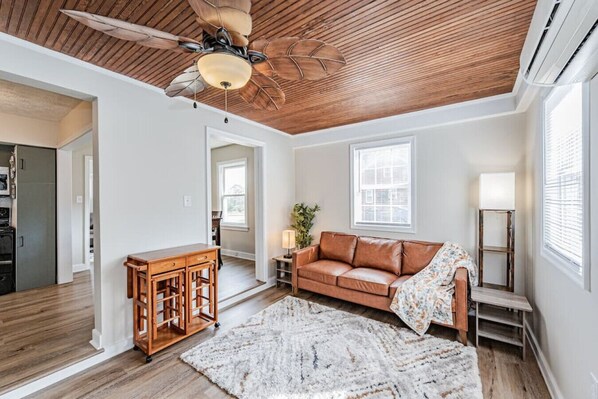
[[427, 296]]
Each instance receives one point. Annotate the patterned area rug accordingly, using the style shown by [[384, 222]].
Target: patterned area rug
[[299, 349]]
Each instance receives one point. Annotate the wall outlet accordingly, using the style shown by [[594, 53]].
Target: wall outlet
[[594, 386], [79, 199], [187, 201]]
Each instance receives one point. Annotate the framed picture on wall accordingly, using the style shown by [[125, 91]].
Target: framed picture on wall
[[4, 181]]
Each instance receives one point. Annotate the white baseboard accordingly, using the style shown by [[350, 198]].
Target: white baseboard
[[237, 254], [96, 339], [81, 267], [69, 371], [551, 383]]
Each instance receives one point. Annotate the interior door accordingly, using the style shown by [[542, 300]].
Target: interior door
[[36, 217]]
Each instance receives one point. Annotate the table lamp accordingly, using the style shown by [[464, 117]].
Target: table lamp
[[288, 242]]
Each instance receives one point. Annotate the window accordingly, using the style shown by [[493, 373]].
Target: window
[[564, 179], [382, 185], [232, 177]]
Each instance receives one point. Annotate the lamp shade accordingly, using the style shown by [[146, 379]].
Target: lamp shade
[[216, 68], [497, 191], [288, 239]]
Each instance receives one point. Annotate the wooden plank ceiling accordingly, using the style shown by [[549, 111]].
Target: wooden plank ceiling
[[402, 56]]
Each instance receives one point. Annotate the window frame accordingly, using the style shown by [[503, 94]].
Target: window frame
[[553, 257], [222, 165], [354, 174]]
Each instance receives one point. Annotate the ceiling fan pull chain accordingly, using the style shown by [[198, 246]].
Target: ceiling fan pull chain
[[225, 105], [195, 97]]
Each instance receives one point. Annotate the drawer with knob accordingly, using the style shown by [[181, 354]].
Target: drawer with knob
[[167, 265], [198, 259]]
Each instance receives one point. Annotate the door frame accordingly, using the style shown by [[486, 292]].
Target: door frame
[[87, 170], [259, 147]]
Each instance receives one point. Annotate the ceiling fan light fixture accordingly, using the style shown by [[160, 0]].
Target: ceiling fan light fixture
[[219, 68]]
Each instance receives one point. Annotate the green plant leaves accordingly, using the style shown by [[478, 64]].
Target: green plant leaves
[[303, 217]]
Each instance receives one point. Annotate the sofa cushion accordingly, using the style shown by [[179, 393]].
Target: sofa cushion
[[378, 253], [324, 271], [337, 246], [365, 279], [417, 255], [392, 290]]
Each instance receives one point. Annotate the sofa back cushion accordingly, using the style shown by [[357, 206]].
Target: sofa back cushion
[[417, 255], [378, 253], [337, 246]]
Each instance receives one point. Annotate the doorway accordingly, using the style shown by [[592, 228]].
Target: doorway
[[37, 204], [235, 206]]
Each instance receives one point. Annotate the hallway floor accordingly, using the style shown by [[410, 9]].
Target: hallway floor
[[236, 276], [44, 330]]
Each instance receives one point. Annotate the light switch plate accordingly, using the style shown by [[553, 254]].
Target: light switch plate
[[187, 201], [594, 386], [79, 199]]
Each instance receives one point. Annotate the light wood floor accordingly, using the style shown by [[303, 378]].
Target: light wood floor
[[236, 276], [503, 373], [45, 329]]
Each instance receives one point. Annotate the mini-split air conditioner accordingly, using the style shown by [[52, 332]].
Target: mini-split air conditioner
[[562, 43]]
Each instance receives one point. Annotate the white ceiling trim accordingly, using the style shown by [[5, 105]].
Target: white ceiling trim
[[514, 102], [433, 117], [488, 107]]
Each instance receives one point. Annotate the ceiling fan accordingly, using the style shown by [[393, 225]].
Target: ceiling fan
[[226, 58]]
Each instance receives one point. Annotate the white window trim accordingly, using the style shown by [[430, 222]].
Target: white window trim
[[560, 262], [221, 165], [380, 226]]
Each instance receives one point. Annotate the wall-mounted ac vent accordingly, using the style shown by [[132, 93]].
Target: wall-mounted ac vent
[[562, 43], [577, 51], [544, 32]]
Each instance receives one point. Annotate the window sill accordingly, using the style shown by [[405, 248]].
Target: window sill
[[381, 227], [234, 227]]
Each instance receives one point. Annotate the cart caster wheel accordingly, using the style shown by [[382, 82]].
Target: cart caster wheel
[[136, 348], [148, 359], [217, 325]]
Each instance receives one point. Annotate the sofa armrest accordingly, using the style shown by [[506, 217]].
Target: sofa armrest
[[301, 258], [461, 286]]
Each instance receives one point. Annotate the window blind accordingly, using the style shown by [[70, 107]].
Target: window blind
[[563, 175]]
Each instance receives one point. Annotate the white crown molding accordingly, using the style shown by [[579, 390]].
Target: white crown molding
[[516, 101], [432, 117], [75, 61]]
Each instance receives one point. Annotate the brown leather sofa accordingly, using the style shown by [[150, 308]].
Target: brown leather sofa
[[368, 270]]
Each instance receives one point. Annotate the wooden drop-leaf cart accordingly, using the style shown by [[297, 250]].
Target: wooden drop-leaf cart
[[175, 294]]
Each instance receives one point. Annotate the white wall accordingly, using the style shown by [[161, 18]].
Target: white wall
[[231, 239], [148, 153], [448, 163], [565, 317], [77, 215]]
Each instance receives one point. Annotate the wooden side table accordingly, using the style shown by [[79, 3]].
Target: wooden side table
[[500, 315], [284, 270]]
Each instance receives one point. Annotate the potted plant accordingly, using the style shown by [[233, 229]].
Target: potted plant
[[303, 220]]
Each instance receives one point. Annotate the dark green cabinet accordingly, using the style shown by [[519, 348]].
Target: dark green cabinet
[[35, 217]]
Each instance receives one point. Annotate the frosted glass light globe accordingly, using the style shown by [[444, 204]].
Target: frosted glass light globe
[[216, 68]]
